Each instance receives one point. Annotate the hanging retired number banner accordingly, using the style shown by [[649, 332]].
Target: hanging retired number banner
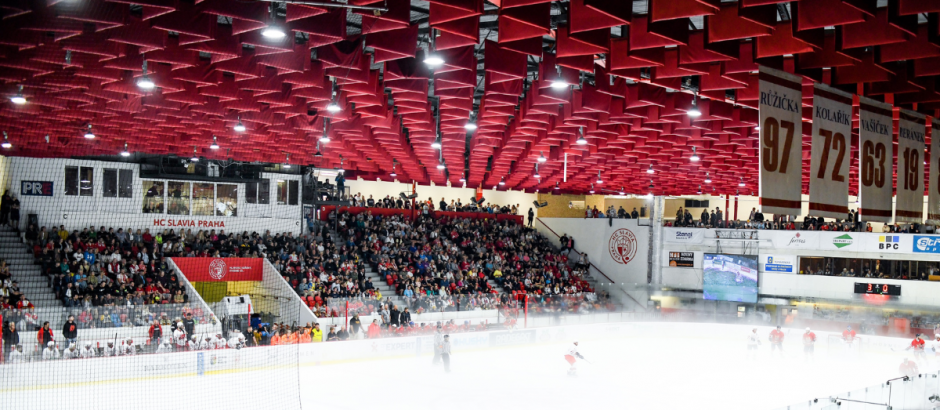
[[781, 142], [933, 182], [832, 147], [910, 184], [875, 162]]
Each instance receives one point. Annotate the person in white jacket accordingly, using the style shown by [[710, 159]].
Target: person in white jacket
[[180, 337], [16, 355], [72, 352], [129, 348], [87, 351], [166, 346], [218, 342], [50, 352], [110, 350]]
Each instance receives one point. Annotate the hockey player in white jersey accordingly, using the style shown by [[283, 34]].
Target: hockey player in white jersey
[[16, 355], [72, 352], [180, 337], [166, 346], [87, 351], [203, 344], [236, 340], [570, 355], [110, 350], [129, 348], [753, 340], [50, 352], [218, 342]]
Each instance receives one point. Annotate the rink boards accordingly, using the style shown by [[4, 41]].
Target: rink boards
[[204, 364]]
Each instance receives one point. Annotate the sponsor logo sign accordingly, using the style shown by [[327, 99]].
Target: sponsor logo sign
[[888, 242], [842, 241], [520, 337], [622, 246], [779, 263], [36, 188], [926, 244], [221, 269], [680, 235], [681, 259]]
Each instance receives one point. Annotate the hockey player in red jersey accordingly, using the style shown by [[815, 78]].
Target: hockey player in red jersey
[[570, 356], [918, 345], [776, 341], [848, 335], [809, 344], [908, 368]]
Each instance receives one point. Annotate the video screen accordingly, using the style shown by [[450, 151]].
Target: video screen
[[730, 277]]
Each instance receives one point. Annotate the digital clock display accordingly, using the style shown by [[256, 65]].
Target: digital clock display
[[877, 289]]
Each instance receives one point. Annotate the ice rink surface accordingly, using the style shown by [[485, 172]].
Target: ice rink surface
[[684, 371]]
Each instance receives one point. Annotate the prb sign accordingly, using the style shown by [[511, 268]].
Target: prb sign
[[36, 188]]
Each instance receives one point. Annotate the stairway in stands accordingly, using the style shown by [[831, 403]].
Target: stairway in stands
[[377, 280], [24, 269]]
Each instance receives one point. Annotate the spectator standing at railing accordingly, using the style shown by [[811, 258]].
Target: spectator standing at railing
[[316, 335], [405, 317], [155, 332], [11, 337], [375, 330], [44, 335], [70, 330]]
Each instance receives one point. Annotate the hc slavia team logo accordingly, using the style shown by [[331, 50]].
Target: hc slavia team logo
[[622, 246], [217, 269]]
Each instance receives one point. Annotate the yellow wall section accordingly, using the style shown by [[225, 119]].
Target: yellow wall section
[[213, 292]]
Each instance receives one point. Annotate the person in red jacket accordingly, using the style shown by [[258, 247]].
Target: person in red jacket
[[809, 344], [374, 332], [918, 345], [776, 341], [44, 335]]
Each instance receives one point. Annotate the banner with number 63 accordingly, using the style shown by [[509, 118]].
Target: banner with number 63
[[933, 197], [876, 160], [910, 184], [781, 142], [831, 152]]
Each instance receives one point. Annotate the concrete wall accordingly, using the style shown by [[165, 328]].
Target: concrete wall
[[594, 236], [381, 189]]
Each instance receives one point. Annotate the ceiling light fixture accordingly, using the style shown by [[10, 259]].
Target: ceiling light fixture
[[502, 182], [272, 31], [462, 179], [318, 154], [592, 189], [537, 171], [195, 157], [287, 162], [441, 166], [393, 174], [599, 180], [325, 138], [693, 111], [19, 99], [470, 126], [437, 143], [559, 82], [432, 59], [581, 140], [650, 169], [699, 189], [622, 191], [6, 141], [125, 153], [239, 127], [708, 179], [333, 107], [694, 157], [556, 185], [88, 134], [741, 184], [542, 157], [144, 82], [215, 143]]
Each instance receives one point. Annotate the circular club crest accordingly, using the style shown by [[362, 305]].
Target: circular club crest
[[217, 269], [622, 246]]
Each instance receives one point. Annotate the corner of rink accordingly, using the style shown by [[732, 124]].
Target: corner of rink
[[635, 364]]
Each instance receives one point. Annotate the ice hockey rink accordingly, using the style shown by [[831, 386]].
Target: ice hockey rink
[[678, 366]]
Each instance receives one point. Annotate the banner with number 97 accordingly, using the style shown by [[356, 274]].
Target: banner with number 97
[[781, 142], [910, 184], [831, 152], [876, 160]]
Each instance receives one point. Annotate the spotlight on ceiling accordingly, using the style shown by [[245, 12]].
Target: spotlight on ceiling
[[19, 99], [273, 32], [559, 82], [434, 60], [287, 162], [195, 157], [239, 127], [592, 189], [333, 107], [462, 179], [708, 179], [437, 143], [125, 153], [144, 82], [556, 185], [650, 169], [581, 140], [502, 182], [393, 174], [325, 138], [6, 141], [599, 180], [88, 134], [441, 166], [215, 143], [542, 157], [470, 126], [741, 184], [694, 156], [622, 192]]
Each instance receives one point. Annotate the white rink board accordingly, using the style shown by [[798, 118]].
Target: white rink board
[[644, 365]]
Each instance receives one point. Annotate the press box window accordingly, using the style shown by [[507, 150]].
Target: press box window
[[116, 183], [79, 181], [287, 192], [258, 192]]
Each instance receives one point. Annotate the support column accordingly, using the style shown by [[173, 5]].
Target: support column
[[655, 275]]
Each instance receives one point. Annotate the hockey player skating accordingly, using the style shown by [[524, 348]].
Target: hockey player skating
[[570, 357], [445, 353], [848, 336], [16, 355], [776, 341], [809, 344], [87, 351], [110, 350], [753, 340], [908, 368], [50, 352], [438, 345], [918, 346]]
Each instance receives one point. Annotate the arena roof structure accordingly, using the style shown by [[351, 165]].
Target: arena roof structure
[[601, 90]]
